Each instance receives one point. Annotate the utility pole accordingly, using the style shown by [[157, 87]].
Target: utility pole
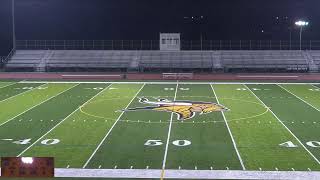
[[13, 26]]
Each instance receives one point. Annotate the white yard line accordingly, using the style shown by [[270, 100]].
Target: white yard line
[[155, 82], [114, 124], [230, 133], [11, 83], [315, 86], [168, 138], [62, 121], [298, 97], [184, 174], [284, 126], [36, 104], [21, 92]]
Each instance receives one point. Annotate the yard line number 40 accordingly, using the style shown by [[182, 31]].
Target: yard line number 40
[[290, 144]]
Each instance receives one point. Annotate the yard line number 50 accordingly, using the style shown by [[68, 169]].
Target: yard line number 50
[[179, 143]]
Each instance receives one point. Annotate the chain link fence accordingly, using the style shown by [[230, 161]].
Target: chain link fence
[[154, 45]]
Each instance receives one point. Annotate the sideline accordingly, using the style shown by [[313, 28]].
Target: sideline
[[185, 174]]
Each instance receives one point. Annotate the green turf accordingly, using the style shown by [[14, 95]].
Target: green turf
[[36, 122], [4, 84], [211, 143], [307, 92], [52, 117], [258, 133], [25, 101], [295, 114], [15, 89], [86, 127], [125, 145]]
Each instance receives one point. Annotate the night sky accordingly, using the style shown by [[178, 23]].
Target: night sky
[[144, 19]]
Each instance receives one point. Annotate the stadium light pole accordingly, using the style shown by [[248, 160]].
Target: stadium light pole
[[13, 25], [301, 24]]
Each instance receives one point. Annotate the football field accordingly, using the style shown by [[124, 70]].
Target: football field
[[163, 125]]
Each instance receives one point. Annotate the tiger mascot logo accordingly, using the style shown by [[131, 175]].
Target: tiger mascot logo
[[184, 109]]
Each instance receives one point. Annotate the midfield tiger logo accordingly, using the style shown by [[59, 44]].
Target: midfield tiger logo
[[184, 109]]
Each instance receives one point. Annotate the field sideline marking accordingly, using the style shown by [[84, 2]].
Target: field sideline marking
[[183, 174], [21, 93], [34, 105], [298, 97], [230, 133], [114, 124], [285, 126], [61, 121], [156, 82]]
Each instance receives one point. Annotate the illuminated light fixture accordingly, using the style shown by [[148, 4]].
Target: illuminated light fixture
[[27, 160], [301, 24]]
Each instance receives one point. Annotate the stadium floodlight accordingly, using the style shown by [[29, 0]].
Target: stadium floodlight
[[301, 24], [13, 25]]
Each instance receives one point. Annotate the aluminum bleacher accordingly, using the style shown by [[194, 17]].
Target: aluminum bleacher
[[41, 60], [288, 60], [316, 57]]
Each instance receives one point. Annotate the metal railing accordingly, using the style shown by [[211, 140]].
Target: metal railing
[[5, 59], [154, 45]]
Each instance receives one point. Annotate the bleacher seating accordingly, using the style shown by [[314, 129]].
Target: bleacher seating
[[176, 59], [316, 57], [26, 59], [264, 59], [287, 60]]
